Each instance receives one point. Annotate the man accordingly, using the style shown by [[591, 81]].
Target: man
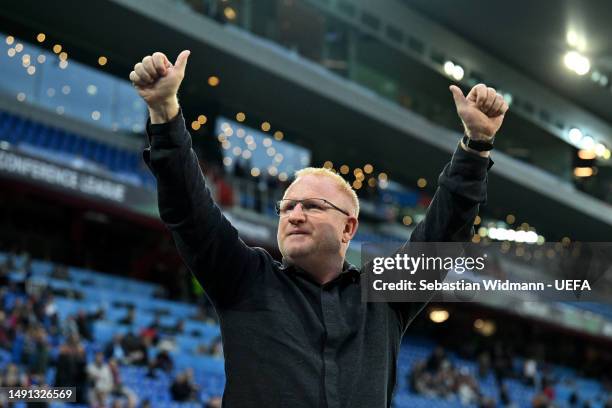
[[296, 334], [101, 377]]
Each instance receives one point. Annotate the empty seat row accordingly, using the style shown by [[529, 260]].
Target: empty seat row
[[19, 131]]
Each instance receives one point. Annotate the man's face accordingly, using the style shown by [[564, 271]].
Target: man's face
[[323, 233]]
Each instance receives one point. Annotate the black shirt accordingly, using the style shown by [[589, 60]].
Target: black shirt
[[289, 341]]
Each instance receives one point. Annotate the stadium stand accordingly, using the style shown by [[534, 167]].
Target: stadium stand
[[425, 379]]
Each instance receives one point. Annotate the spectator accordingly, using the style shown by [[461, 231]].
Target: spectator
[[183, 389], [467, 389], [205, 313], [225, 192], [504, 396], [163, 361], [436, 377], [114, 349], [70, 327], [5, 337], [119, 389], [151, 332], [101, 378], [530, 371], [216, 348], [50, 307], [573, 399], [435, 360], [548, 389], [4, 275], [129, 318], [484, 364], [540, 400], [502, 362], [71, 367], [214, 402], [12, 377], [135, 349], [35, 352], [84, 325]]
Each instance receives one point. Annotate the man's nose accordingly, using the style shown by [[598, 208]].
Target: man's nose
[[297, 214]]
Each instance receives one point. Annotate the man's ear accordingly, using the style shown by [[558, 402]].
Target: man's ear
[[350, 229]]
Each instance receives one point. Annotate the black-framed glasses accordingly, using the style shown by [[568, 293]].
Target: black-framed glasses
[[309, 206]]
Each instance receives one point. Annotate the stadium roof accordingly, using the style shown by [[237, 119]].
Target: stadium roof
[[324, 120], [532, 37]]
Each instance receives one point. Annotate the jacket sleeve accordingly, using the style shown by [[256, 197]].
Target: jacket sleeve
[[462, 187], [207, 242]]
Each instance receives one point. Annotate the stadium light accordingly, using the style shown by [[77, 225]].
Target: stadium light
[[575, 40], [575, 135], [577, 62], [599, 149], [438, 315], [586, 154], [583, 172], [458, 72], [229, 13], [449, 66], [213, 80], [587, 143], [503, 234], [508, 98]]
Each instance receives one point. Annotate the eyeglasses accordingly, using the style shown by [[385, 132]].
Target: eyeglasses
[[309, 206]]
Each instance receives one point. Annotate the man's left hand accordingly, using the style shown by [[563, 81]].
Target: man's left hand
[[482, 111]]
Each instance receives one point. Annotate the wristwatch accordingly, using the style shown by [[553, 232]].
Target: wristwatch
[[478, 145]]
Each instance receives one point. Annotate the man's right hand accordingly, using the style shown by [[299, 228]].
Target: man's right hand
[[157, 82]]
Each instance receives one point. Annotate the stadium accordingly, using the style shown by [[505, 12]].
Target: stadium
[[96, 287]]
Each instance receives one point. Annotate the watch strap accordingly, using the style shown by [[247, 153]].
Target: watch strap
[[478, 145]]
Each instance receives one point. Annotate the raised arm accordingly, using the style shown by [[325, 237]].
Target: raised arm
[[462, 185], [207, 242]]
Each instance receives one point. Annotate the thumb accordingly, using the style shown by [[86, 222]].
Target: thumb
[[181, 60], [458, 95]]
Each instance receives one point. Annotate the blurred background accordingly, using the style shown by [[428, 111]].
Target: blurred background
[[92, 290]]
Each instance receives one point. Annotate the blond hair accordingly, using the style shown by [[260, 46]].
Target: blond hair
[[341, 183]]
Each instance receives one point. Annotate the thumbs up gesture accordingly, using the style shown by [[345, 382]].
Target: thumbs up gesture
[[157, 81], [482, 111]]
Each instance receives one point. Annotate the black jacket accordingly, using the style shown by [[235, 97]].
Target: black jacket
[[288, 341]]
